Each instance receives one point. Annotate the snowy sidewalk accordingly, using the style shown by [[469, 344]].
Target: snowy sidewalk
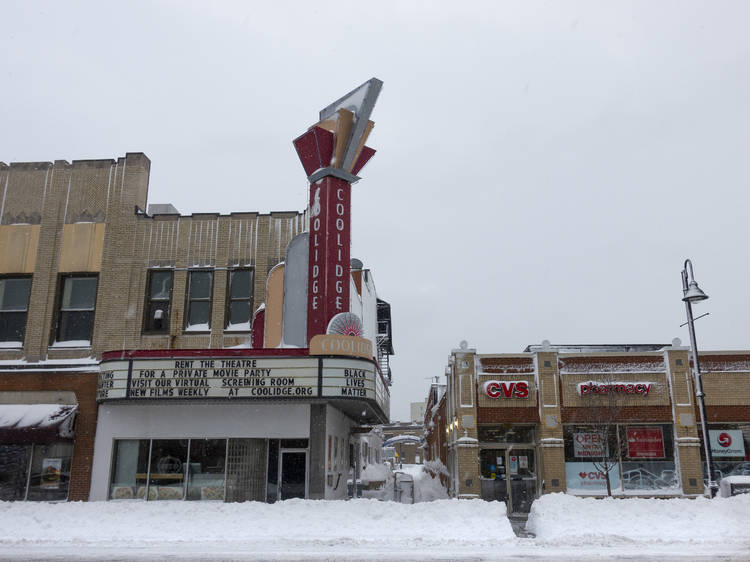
[[566, 528]]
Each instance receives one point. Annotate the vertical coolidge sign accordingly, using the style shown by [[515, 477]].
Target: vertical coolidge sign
[[330, 239], [332, 152]]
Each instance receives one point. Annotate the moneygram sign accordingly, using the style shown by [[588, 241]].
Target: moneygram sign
[[727, 442]]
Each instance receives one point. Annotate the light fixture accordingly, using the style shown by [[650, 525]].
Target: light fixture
[[694, 293], [691, 292]]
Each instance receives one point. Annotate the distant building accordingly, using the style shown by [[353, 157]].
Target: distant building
[[406, 440], [417, 411]]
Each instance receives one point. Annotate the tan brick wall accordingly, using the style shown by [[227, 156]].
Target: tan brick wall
[[21, 184], [551, 469], [107, 193], [90, 186], [468, 471], [726, 389]]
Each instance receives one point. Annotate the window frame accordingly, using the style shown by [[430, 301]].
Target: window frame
[[229, 300], [28, 276], [56, 339], [147, 329], [189, 300]]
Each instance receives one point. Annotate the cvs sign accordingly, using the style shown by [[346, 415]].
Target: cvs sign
[[506, 389]]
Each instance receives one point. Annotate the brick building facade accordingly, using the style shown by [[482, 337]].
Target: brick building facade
[[582, 419], [86, 267]]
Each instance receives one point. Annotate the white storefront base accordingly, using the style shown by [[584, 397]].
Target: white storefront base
[[338, 428], [190, 420]]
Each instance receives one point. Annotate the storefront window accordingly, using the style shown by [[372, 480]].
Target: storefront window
[[730, 449], [130, 469], [214, 469], [14, 471], [206, 469], [39, 472], [638, 458], [647, 457], [506, 434], [50, 472], [167, 469]]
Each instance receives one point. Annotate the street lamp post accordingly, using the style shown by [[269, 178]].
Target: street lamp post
[[692, 293]]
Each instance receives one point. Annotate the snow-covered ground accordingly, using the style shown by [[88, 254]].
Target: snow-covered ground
[[566, 527]]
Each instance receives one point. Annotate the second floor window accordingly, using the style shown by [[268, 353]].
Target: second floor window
[[198, 315], [77, 304], [240, 299], [158, 301], [14, 308]]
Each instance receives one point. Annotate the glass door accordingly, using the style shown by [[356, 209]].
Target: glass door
[[521, 479], [493, 475], [293, 472], [509, 475]]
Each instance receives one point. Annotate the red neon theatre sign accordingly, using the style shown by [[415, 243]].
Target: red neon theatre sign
[[332, 152]]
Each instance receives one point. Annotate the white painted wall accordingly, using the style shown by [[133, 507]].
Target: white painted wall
[[337, 426], [370, 309], [171, 421]]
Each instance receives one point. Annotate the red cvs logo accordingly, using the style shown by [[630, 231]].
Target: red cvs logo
[[725, 440], [506, 389]]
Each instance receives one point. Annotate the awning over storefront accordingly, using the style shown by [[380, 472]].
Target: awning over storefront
[[36, 423]]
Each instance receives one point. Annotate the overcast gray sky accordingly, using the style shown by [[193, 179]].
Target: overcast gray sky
[[543, 168]]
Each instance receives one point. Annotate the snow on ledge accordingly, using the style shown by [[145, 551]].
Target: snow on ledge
[[72, 343], [241, 327]]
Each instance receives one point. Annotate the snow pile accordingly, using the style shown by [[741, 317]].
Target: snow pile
[[561, 519], [427, 488], [436, 467], [375, 473], [725, 486], [290, 524]]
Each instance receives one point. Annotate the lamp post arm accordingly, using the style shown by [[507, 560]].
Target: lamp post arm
[[688, 264]]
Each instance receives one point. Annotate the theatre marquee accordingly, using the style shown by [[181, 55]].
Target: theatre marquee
[[180, 378]]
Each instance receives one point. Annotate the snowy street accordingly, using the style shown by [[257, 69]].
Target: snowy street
[[566, 527]]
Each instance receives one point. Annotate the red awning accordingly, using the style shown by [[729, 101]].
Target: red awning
[[36, 423]]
